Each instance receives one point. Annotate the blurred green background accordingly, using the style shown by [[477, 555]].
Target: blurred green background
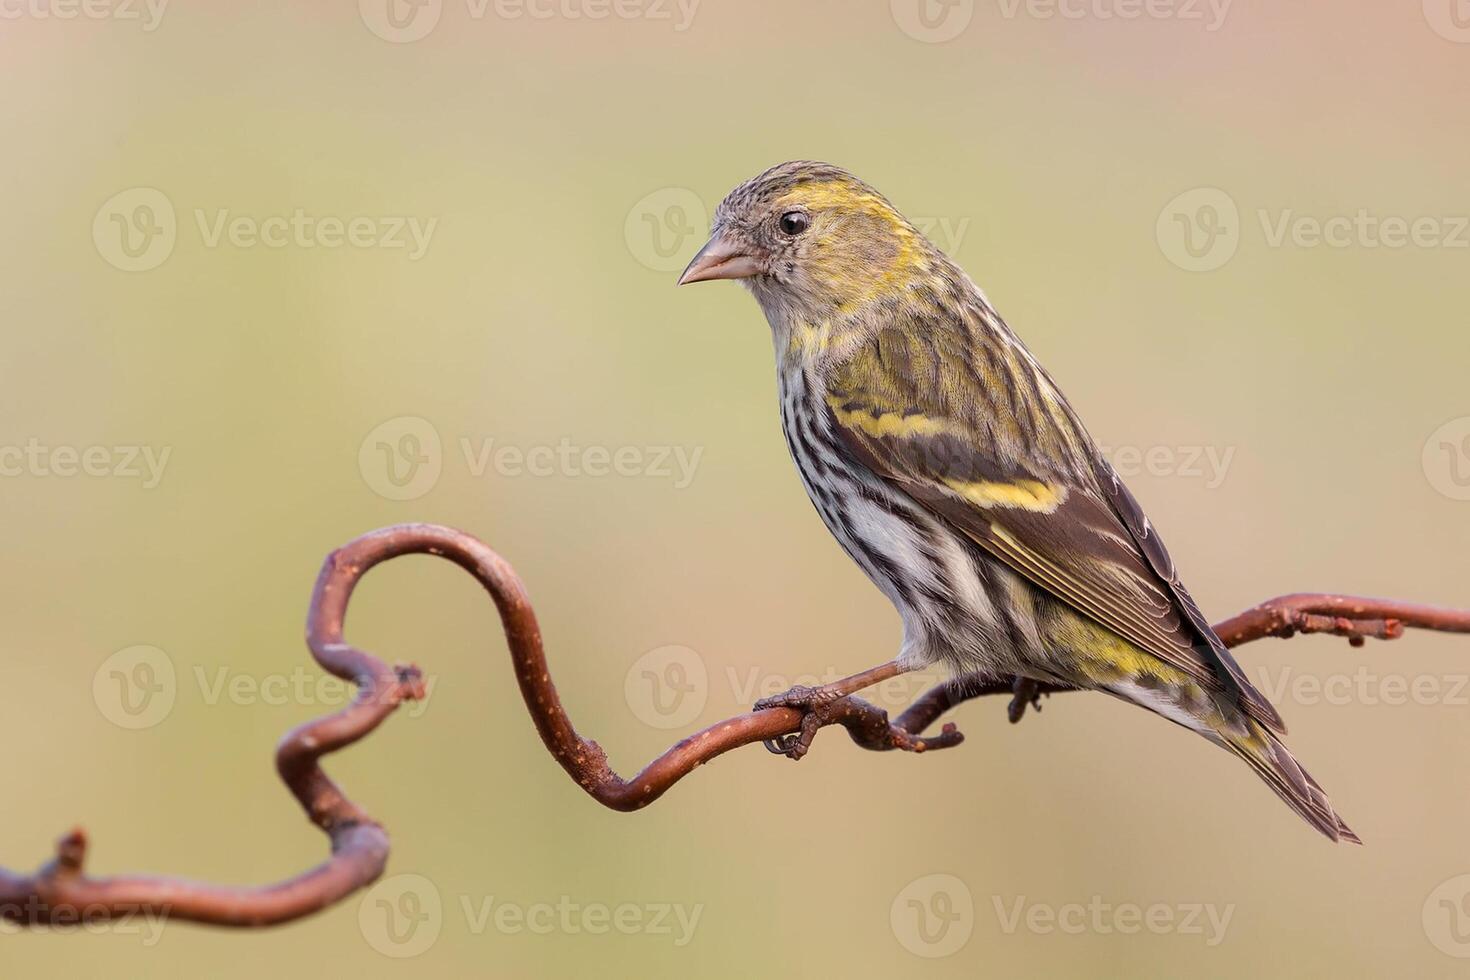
[[559, 167]]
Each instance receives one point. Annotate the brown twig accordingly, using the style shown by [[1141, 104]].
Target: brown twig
[[1349, 616], [61, 893]]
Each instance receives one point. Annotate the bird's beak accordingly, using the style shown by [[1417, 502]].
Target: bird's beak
[[721, 258]]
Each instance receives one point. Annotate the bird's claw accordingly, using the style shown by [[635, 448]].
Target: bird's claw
[[815, 703], [787, 745], [1026, 692], [800, 697]]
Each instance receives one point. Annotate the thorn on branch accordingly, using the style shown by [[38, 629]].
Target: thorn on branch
[[410, 682], [71, 855]]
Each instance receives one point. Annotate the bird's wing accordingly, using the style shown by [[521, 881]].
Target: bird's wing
[[985, 442]]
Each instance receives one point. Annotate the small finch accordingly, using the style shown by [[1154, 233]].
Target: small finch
[[951, 469]]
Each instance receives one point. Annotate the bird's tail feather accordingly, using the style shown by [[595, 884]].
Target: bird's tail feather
[[1264, 752]]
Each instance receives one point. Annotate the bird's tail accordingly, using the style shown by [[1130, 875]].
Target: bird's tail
[[1264, 752]]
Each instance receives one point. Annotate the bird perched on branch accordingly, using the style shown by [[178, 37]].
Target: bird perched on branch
[[952, 470]]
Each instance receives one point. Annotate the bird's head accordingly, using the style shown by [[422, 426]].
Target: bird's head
[[813, 243]]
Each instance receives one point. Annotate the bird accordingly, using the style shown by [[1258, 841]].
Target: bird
[[952, 470]]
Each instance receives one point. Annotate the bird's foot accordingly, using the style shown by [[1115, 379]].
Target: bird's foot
[[1025, 692], [801, 697], [817, 705]]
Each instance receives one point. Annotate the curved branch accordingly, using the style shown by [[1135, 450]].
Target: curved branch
[[1355, 618], [60, 892]]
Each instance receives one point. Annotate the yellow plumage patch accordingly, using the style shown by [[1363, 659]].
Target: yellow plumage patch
[[836, 193], [1104, 657], [890, 424], [1030, 495], [856, 277]]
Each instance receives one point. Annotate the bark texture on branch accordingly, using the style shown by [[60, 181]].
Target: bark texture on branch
[[60, 892]]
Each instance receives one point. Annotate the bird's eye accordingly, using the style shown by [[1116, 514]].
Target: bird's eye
[[795, 222]]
